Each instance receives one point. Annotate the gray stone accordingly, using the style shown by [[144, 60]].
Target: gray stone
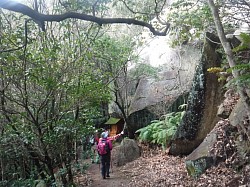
[[238, 114], [127, 151], [153, 97], [200, 159], [204, 99], [223, 112], [228, 103]]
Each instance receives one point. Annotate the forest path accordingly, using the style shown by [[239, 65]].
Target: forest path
[[117, 178], [162, 170]]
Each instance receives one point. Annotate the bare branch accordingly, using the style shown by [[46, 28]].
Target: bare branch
[[41, 18]]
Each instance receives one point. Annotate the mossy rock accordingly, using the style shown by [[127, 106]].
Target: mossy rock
[[196, 167], [200, 159]]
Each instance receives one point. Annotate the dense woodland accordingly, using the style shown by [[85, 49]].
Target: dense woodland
[[62, 62]]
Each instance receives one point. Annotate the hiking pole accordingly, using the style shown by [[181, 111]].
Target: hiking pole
[[110, 167], [99, 166]]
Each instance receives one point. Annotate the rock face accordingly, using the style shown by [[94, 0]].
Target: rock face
[[200, 159], [153, 97], [204, 98], [219, 144], [216, 147], [127, 151], [238, 114], [228, 104]]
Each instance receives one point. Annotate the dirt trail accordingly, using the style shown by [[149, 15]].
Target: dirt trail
[[156, 168], [117, 178]]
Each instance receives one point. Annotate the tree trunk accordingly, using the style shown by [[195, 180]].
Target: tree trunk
[[230, 57], [229, 54]]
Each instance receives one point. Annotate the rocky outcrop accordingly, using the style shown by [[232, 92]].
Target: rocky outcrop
[[216, 147], [228, 104], [127, 151], [238, 114], [219, 145], [204, 98], [153, 97], [200, 159]]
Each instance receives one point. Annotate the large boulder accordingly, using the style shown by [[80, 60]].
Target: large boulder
[[204, 98], [153, 96], [127, 151]]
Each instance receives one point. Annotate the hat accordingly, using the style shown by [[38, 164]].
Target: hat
[[104, 135]]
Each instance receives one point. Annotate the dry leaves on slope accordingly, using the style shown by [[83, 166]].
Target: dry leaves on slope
[[164, 170]]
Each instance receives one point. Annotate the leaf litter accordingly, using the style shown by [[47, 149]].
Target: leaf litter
[[156, 168]]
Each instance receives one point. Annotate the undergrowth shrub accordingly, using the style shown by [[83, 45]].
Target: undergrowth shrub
[[161, 131]]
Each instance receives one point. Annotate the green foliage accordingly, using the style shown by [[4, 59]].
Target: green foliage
[[52, 90], [161, 131], [86, 6], [242, 80], [189, 20], [111, 55], [196, 167], [143, 69], [245, 44], [144, 10], [219, 71], [239, 67], [243, 65], [81, 167]]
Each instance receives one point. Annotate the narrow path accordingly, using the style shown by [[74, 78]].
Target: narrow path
[[117, 178], [162, 170]]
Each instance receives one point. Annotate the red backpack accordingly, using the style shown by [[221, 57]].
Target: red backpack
[[103, 147]]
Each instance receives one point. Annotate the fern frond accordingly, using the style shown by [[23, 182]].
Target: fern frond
[[240, 67], [182, 107], [161, 131]]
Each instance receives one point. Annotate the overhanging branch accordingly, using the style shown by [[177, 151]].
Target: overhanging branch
[[41, 18]]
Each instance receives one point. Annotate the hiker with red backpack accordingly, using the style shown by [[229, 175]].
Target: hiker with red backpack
[[104, 148]]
